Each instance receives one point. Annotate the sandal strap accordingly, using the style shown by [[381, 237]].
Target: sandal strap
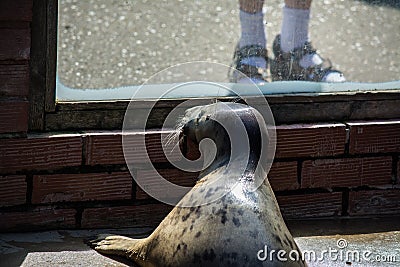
[[252, 51], [307, 48], [249, 70], [253, 72]]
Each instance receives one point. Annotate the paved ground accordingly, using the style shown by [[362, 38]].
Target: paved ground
[[377, 239], [111, 43]]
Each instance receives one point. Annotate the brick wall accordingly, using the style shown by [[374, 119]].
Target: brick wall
[[15, 41], [80, 180]]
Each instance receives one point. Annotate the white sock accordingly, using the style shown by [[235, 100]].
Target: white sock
[[253, 33], [310, 60], [294, 32], [252, 29], [314, 59]]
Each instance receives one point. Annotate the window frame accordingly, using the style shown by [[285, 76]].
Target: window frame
[[48, 115], [43, 62]]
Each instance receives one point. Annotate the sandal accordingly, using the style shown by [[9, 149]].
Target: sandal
[[240, 70], [286, 66]]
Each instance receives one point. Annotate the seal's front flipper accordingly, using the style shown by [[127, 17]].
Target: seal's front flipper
[[133, 249], [114, 244]]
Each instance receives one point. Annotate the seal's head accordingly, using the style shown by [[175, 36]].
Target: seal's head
[[227, 124], [202, 122]]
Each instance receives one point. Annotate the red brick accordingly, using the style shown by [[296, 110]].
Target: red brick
[[310, 140], [310, 205], [346, 172], [12, 190], [374, 202], [43, 152], [149, 215], [14, 116], [81, 187], [16, 10], [39, 218], [15, 44], [172, 175], [283, 176], [106, 148], [374, 137], [14, 80]]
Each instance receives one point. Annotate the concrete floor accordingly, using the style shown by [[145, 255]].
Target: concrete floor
[[374, 238], [107, 44]]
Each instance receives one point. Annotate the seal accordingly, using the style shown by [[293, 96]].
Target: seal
[[243, 226]]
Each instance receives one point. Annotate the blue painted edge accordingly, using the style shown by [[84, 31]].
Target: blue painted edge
[[202, 89]]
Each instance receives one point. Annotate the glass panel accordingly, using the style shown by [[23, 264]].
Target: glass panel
[[112, 44]]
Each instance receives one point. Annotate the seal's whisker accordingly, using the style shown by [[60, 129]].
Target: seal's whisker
[[177, 131], [176, 144], [175, 136], [171, 138]]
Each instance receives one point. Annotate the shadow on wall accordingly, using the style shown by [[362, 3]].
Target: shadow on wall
[[388, 3]]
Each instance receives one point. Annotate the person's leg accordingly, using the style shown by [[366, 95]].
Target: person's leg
[[298, 4], [251, 51], [294, 40], [251, 23], [251, 6], [295, 21]]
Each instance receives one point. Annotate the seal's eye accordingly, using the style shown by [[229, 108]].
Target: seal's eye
[[208, 117], [196, 122]]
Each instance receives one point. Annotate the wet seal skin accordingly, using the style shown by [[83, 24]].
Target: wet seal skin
[[229, 231]]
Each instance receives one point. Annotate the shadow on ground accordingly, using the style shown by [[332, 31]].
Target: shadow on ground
[[55, 248], [340, 226]]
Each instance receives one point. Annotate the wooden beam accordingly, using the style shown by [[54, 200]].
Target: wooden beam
[[298, 109], [51, 66], [43, 62]]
